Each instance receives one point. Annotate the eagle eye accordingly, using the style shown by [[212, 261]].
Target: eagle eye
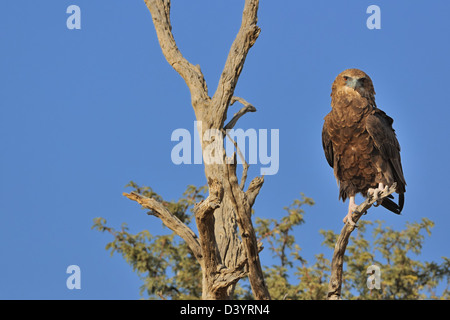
[[345, 78]]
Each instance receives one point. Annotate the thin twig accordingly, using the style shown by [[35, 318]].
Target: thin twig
[[245, 165], [247, 108]]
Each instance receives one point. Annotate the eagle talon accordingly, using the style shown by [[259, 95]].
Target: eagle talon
[[378, 203], [348, 219], [375, 194]]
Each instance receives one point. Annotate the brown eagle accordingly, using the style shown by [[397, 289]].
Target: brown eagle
[[360, 143]]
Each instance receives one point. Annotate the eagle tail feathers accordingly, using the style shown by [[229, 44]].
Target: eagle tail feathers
[[392, 206]]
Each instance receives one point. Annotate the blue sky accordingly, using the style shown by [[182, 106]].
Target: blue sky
[[83, 112]]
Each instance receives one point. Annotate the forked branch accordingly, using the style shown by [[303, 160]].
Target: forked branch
[[222, 181]]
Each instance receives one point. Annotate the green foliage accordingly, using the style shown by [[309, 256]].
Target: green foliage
[[169, 270], [281, 242]]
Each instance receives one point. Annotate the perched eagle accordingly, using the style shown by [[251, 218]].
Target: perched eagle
[[360, 143]]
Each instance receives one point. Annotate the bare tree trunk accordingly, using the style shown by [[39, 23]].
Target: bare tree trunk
[[224, 257], [335, 284]]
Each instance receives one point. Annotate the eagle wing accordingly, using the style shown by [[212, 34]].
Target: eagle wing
[[327, 145], [379, 127]]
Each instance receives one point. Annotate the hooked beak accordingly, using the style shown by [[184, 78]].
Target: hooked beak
[[354, 83]]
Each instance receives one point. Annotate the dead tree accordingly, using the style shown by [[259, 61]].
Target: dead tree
[[335, 284], [224, 256]]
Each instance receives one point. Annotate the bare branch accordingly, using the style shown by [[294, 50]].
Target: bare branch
[[246, 37], [243, 208], [171, 221], [192, 75], [245, 165], [335, 284], [253, 190], [247, 108]]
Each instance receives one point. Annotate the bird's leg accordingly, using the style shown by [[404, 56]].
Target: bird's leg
[[375, 193], [351, 207]]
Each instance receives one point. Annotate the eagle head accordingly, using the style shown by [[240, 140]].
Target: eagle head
[[353, 82]]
